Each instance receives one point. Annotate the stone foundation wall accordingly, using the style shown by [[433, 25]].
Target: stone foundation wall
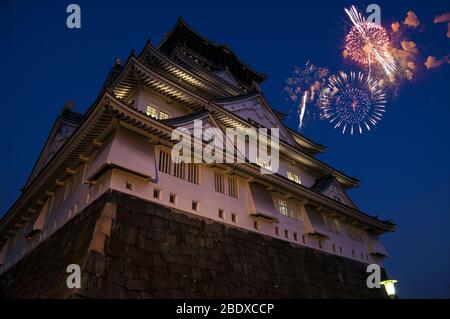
[[131, 248]]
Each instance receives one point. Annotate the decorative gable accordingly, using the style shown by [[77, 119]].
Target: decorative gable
[[227, 77], [330, 187], [65, 125], [188, 121], [63, 132], [255, 110]]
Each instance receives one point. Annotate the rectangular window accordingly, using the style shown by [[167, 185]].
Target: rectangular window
[[333, 225], [219, 182], [286, 208], [286, 233], [304, 239], [152, 111], [164, 162], [163, 115], [355, 233], [178, 170], [277, 231], [234, 218], [221, 213], [282, 207], [263, 163], [195, 205], [173, 198], [232, 187], [156, 193], [295, 236], [294, 177], [193, 173]]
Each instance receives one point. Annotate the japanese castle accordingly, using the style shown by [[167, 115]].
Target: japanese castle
[[114, 162]]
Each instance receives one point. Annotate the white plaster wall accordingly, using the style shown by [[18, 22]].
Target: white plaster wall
[[209, 203], [145, 96], [125, 150], [307, 179], [58, 215]]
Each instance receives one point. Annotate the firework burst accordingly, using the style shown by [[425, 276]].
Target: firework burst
[[303, 87], [368, 42], [352, 102]]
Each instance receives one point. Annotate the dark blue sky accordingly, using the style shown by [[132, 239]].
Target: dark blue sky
[[403, 165]]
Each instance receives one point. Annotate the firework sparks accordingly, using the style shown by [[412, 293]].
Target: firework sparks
[[368, 42], [302, 110], [352, 101], [302, 88]]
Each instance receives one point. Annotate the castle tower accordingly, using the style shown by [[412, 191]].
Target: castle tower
[[105, 194]]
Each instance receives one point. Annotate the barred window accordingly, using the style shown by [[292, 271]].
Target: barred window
[[193, 173], [294, 177], [232, 187], [164, 162], [155, 112], [178, 170], [287, 209], [152, 111], [163, 115], [219, 182], [282, 207], [263, 163]]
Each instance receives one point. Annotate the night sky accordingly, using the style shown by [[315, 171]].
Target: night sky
[[403, 165]]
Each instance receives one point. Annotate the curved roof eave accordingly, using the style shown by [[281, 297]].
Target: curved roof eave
[[181, 23]]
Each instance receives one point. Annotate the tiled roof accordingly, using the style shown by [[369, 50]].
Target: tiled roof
[[323, 183], [186, 118]]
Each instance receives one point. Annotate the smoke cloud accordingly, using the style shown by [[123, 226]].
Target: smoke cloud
[[409, 46], [411, 20], [395, 26], [433, 62], [442, 18]]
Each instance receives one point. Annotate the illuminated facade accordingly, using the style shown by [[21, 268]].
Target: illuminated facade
[[122, 143]]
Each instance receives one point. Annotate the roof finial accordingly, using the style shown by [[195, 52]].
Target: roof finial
[[69, 105], [118, 61]]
